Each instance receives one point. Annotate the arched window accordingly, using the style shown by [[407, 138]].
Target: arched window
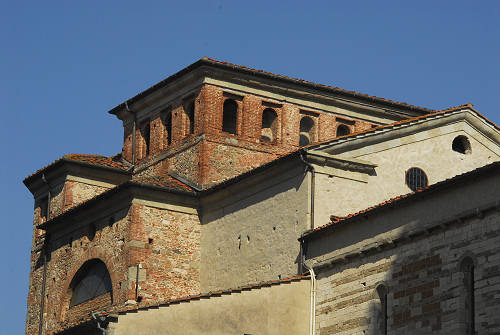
[[343, 130], [168, 127], [146, 136], [461, 145], [269, 121], [190, 114], [91, 281], [382, 313], [467, 269], [229, 116], [306, 131]]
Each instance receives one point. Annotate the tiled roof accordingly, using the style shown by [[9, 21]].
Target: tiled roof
[[113, 162], [122, 309], [402, 123], [265, 74], [167, 182], [337, 220], [146, 305]]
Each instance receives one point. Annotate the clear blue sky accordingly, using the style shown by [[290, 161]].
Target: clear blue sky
[[64, 64]]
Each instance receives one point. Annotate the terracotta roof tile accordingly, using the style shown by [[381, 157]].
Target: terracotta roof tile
[[338, 220], [113, 310], [401, 123], [227, 65], [167, 182], [306, 82], [96, 160]]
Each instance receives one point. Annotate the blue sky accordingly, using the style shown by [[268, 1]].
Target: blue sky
[[64, 64]]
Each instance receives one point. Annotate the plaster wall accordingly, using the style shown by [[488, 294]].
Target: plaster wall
[[341, 193], [249, 231], [279, 309], [419, 264]]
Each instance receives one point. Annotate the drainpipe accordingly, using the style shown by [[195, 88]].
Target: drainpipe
[[313, 177], [98, 319], [312, 321], [44, 253], [133, 133]]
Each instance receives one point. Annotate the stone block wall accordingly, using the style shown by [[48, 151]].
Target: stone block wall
[[426, 292]]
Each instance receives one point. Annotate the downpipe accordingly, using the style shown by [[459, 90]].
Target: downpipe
[[99, 319], [313, 179], [312, 321]]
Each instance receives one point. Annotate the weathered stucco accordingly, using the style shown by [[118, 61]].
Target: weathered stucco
[[415, 250], [277, 309], [249, 231], [341, 193]]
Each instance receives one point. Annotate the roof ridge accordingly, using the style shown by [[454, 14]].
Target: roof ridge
[[403, 122]]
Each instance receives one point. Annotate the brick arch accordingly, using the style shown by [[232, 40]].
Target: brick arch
[[92, 253]]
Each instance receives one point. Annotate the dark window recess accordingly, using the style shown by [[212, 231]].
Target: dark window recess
[[44, 207], [146, 135], [92, 280], [461, 145], [467, 269], [168, 127], [343, 130], [416, 178], [306, 131], [190, 114], [92, 231], [269, 117], [382, 312], [229, 116]]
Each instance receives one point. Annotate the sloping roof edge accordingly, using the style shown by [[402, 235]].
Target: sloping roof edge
[[401, 199], [267, 75]]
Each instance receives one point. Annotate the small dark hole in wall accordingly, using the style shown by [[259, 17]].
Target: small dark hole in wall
[[274, 228], [150, 240], [248, 238], [139, 299], [461, 145]]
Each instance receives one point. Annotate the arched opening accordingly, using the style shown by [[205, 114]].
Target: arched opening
[[343, 130], [467, 269], [229, 116], [190, 114], [269, 125], [306, 131], [91, 281], [167, 121], [146, 136], [382, 292], [461, 145]]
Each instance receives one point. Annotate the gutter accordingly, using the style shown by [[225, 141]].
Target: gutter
[[309, 167]]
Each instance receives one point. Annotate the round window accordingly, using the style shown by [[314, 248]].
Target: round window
[[416, 178]]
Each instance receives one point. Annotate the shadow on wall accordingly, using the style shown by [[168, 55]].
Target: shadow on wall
[[418, 281]]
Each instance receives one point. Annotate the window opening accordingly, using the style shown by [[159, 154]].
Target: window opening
[[190, 114], [467, 269], [461, 145], [91, 281], [229, 116], [44, 207], [416, 179], [168, 127], [382, 315], [343, 130], [269, 118], [306, 130], [146, 135]]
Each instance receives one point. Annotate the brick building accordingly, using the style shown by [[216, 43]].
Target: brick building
[[249, 202]]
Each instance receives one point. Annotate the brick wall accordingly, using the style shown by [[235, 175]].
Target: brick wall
[[219, 155]]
